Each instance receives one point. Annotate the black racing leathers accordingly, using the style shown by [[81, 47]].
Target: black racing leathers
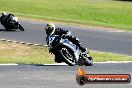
[[60, 32], [4, 19], [66, 34]]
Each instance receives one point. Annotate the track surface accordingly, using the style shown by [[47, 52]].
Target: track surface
[[29, 76], [100, 40]]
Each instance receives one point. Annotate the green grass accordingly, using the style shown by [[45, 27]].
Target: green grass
[[25, 54], [106, 13], [105, 56]]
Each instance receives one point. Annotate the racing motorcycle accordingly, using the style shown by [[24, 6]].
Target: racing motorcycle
[[65, 51], [12, 23]]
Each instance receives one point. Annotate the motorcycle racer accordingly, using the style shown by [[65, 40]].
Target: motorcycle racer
[[10, 22], [52, 30]]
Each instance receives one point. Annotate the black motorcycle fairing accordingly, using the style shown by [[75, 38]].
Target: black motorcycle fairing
[[69, 52], [11, 22], [56, 41], [56, 49]]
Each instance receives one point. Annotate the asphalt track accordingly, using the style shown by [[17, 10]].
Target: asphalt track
[[31, 76], [41, 76], [94, 39]]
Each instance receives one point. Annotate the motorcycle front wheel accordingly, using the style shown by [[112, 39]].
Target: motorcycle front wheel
[[67, 56], [21, 28]]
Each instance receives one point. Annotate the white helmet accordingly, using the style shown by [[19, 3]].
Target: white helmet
[[50, 29]]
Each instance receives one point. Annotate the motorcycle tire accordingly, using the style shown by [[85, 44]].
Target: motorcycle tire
[[7, 29], [21, 28], [67, 56], [88, 61]]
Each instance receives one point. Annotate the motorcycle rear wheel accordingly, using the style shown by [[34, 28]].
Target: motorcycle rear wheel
[[88, 61]]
